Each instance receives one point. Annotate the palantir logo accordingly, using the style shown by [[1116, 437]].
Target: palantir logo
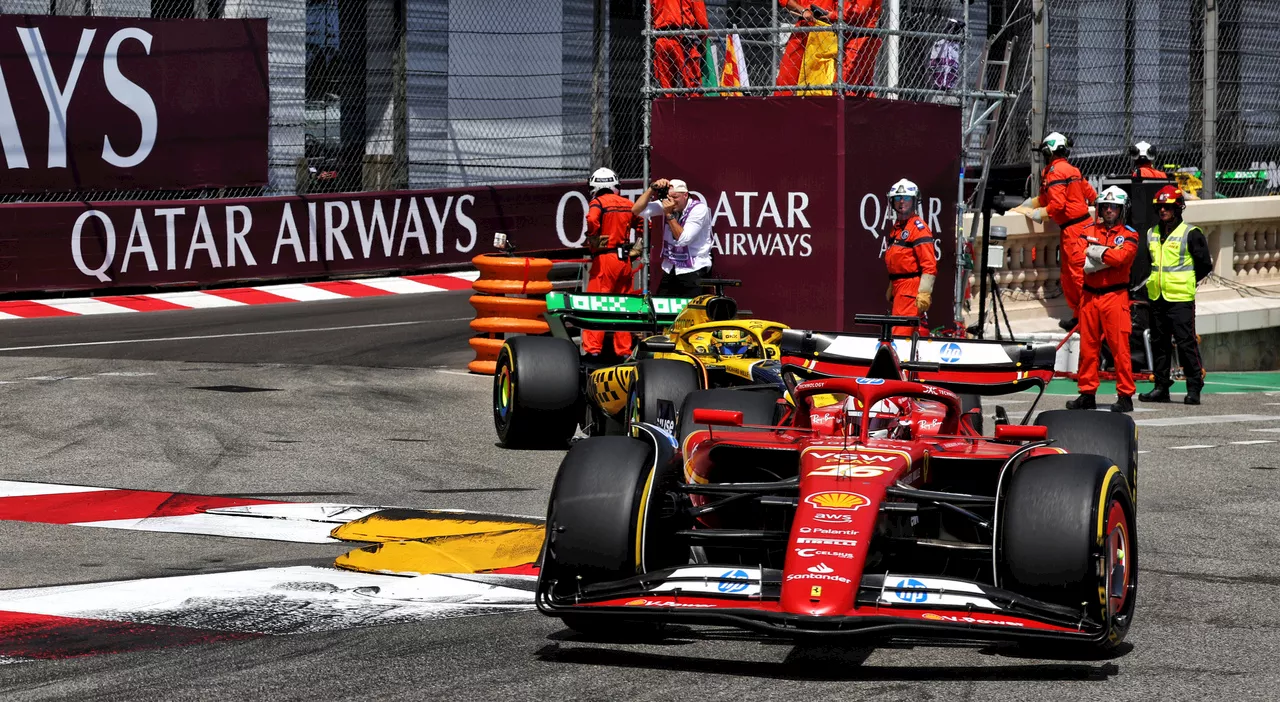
[[950, 352], [734, 581], [912, 590]]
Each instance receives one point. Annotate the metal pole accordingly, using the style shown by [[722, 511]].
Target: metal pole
[[773, 39], [1039, 79], [958, 288], [840, 39], [895, 18], [1210, 100], [598, 93], [646, 118]]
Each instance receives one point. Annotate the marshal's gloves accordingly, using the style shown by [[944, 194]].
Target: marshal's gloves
[[924, 295], [1093, 258]]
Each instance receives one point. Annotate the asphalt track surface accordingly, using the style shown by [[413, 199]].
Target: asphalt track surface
[[367, 401]]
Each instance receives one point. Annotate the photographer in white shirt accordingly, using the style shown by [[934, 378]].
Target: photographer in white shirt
[[686, 236]]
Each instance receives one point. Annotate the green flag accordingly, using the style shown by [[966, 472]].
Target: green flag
[[710, 71]]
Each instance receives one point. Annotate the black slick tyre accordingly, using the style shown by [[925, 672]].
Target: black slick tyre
[[536, 392], [599, 502], [1067, 536], [658, 390], [759, 407], [1110, 434]]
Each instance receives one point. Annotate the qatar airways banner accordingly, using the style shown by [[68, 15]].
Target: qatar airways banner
[[797, 188], [105, 103], [96, 246]]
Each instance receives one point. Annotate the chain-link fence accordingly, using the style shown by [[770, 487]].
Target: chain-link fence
[[1124, 71]]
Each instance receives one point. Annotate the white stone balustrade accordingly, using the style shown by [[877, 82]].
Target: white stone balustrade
[[1243, 234]]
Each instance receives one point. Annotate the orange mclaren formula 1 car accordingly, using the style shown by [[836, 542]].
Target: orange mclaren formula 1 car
[[855, 505]]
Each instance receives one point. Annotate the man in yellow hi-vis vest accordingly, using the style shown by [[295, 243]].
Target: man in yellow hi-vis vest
[[1179, 259]]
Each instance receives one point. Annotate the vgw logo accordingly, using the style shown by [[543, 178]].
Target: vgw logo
[[911, 590], [950, 352], [734, 581]]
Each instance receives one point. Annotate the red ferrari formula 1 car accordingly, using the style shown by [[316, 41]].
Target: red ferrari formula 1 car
[[863, 506]]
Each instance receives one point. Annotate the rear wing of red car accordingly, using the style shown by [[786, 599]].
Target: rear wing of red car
[[975, 366]]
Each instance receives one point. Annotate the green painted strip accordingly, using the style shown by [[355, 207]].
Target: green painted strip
[[1214, 383]]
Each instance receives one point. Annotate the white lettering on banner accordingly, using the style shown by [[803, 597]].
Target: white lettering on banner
[[333, 232], [78, 255], [235, 236], [170, 234], [56, 98], [287, 222], [560, 229], [377, 225], [204, 242], [438, 220], [794, 212], [467, 224], [413, 218], [328, 222], [138, 233], [132, 96]]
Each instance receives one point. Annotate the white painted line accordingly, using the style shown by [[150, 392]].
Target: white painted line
[[125, 374], [1272, 429], [1255, 441], [464, 373], [1240, 385], [85, 306], [1192, 446], [196, 300], [16, 488], [301, 292], [1142, 452], [466, 275], [1206, 419], [322, 512], [230, 336], [278, 601], [229, 526], [399, 286]]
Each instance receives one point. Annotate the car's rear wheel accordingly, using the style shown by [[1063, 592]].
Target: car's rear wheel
[[658, 391], [1110, 434], [536, 392], [605, 492], [1067, 536], [758, 406]]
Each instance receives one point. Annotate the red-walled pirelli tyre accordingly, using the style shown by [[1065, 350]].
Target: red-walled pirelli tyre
[[1067, 535], [536, 392]]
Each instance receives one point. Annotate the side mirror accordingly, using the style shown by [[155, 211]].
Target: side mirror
[[659, 346], [717, 417], [1021, 432], [1002, 415]]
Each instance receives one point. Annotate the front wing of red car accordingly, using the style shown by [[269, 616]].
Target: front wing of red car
[[892, 606]]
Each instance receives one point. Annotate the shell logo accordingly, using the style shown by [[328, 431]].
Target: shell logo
[[837, 500]]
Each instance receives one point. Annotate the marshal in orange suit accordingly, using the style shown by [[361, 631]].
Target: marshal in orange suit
[[911, 259]]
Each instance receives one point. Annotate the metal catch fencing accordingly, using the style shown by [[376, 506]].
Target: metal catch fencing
[[1196, 80]]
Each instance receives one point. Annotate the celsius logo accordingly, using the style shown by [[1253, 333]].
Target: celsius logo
[[911, 590], [734, 581], [950, 352]]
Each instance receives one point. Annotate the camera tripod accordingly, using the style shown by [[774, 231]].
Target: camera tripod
[[988, 273]]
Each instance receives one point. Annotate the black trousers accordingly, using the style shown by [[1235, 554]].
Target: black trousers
[[683, 285], [1176, 320]]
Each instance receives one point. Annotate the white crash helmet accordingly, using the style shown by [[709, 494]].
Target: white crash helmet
[[904, 188], [1114, 195], [603, 179], [1056, 144], [1141, 152]]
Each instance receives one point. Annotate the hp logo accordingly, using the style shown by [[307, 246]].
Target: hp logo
[[734, 581], [950, 352], [911, 590]]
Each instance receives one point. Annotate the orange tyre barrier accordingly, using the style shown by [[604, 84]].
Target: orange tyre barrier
[[497, 314]]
